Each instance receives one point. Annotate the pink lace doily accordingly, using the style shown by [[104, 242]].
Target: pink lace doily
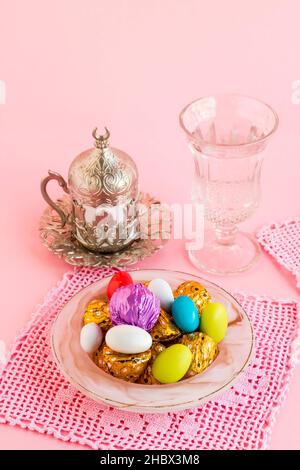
[[282, 241], [35, 396]]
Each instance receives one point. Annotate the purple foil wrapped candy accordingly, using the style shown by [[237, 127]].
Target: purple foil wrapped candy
[[134, 305]]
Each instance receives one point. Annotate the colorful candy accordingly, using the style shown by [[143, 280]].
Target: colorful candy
[[185, 314], [128, 339], [134, 305], [127, 367], [97, 311], [195, 291], [119, 279], [147, 377], [214, 321], [164, 329], [91, 337], [172, 364], [204, 350], [162, 290], [146, 344]]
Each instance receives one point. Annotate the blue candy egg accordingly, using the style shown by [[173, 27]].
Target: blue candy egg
[[185, 314]]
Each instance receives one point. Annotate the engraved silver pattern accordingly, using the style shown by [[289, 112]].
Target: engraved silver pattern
[[61, 241], [103, 185]]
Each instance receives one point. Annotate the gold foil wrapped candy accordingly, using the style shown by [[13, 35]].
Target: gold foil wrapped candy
[[147, 377], [97, 311], [195, 291], [164, 329], [127, 367], [204, 350]]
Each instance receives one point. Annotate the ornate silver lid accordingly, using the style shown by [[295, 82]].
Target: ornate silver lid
[[103, 175]]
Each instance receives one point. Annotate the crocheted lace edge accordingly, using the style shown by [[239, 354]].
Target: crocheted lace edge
[[265, 229], [293, 359]]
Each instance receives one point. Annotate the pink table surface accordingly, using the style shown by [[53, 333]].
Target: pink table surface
[[132, 65]]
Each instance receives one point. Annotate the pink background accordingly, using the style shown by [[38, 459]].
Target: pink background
[[132, 65]]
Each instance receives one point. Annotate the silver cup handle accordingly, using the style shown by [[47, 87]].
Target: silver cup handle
[[52, 175]]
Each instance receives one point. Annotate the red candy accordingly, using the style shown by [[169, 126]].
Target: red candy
[[118, 280]]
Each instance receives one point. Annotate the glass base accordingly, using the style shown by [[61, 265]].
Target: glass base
[[232, 258]]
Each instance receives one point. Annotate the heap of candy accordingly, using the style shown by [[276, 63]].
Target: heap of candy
[[148, 334]]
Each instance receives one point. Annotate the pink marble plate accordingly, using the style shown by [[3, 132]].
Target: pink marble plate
[[77, 366]]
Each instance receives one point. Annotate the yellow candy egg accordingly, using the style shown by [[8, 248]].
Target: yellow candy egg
[[214, 321], [172, 364]]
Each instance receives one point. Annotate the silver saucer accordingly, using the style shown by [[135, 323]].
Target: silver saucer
[[62, 243]]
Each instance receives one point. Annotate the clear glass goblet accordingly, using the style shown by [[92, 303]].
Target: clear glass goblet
[[227, 135]]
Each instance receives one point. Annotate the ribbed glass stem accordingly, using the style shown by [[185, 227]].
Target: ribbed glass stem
[[225, 234]]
